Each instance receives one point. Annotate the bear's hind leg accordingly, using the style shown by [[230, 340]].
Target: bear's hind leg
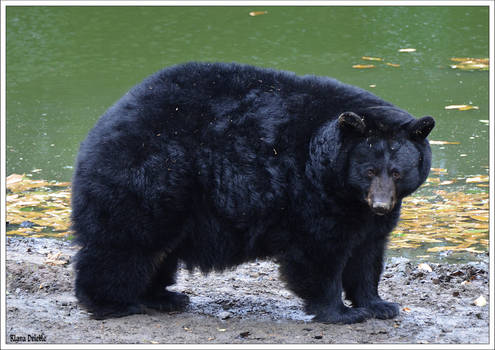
[[109, 281], [157, 296]]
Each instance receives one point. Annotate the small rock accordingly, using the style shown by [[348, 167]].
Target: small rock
[[244, 334], [224, 315], [446, 330], [481, 301], [424, 267]]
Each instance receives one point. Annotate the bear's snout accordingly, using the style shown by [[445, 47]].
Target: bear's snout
[[381, 196]]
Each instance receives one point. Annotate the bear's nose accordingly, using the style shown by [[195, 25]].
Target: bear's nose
[[381, 208]]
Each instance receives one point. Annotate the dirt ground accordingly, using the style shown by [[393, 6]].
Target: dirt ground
[[246, 305]]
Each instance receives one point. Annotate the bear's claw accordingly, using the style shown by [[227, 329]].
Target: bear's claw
[[166, 301]]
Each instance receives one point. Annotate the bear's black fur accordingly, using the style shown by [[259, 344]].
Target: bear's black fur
[[215, 164]]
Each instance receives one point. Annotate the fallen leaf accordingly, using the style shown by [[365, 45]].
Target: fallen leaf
[[461, 107], [480, 301], [257, 13], [479, 218], [372, 85], [470, 66], [13, 178], [447, 182], [440, 249], [393, 64], [367, 58], [406, 309], [56, 259], [407, 50], [481, 178], [444, 142], [363, 66], [464, 59], [438, 170], [468, 63]]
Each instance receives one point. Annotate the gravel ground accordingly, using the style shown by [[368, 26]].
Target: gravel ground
[[246, 305]]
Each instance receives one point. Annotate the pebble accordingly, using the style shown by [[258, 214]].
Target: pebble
[[224, 315]]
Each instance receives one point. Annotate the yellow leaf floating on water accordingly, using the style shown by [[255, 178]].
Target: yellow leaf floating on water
[[479, 218], [408, 216], [407, 50], [440, 249], [468, 63], [393, 64], [464, 59], [438, 170], [13, 178], [448, 182], [444, 142], [481, 178], [461, 107], [363, 66], [367, 58], [257, 13]]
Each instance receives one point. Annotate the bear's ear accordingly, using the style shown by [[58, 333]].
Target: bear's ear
[[421, 128], [351, 122]]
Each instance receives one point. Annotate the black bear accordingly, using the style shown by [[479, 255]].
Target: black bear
[[216, 164]]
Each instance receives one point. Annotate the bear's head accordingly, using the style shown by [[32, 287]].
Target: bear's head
[[375, 157]]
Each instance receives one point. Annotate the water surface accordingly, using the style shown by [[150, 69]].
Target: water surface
[[67, 65]]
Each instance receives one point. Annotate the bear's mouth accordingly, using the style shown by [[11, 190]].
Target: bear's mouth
[[380, 211], [380, 207]]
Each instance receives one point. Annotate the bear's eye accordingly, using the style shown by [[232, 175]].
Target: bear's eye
[[396, 175], [371, 172]]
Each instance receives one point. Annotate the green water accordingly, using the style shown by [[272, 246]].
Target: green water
[[67, 65]]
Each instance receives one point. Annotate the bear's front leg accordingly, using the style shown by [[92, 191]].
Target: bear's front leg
[[362, 275], [319, 284]]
